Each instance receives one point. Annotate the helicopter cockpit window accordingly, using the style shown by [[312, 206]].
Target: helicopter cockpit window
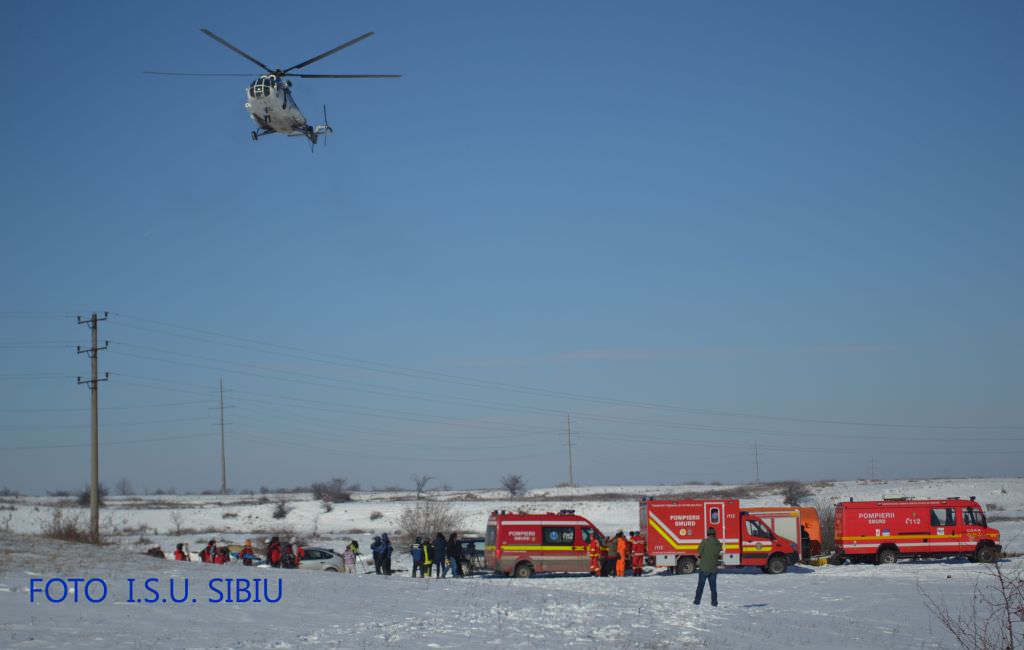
[[261, 87]]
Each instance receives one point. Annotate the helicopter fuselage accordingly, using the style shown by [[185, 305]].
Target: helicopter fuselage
[[271, 105]]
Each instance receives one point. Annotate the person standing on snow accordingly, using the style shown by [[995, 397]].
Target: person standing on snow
[[428, 559], [638, 552], [622, 548], [375, 550], [386, 551], [416, 551], [709, 551], [455, 555], [440, 555], [594, 551], [273, 553]]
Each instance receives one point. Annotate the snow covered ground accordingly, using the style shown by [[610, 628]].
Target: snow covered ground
[[814, 607]]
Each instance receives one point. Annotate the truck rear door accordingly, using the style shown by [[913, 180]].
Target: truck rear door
[[714, 517]]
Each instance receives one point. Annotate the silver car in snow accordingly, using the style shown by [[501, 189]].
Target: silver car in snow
[[322, 559]]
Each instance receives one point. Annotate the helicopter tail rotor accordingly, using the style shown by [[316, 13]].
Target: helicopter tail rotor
[[321, 130]]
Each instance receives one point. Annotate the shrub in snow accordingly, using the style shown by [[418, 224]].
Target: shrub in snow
[[336, 490], [281, 510], [514, 483], [85, 496], [68, 528], [793, 492], [994, 618], [428, 518]]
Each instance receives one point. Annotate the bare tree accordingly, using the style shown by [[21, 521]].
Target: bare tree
[[421, 483], [178, 519], [793, 493], [515, 484], [124, 487], [428, 518], [827, 523], [994, 618]]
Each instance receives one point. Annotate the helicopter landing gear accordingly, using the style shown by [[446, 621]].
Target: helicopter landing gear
[[255, 136]]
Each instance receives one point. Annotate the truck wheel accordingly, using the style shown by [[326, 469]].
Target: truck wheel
[[776, 565], [685, 565], [523, 570], [986, 554], [887, 556]]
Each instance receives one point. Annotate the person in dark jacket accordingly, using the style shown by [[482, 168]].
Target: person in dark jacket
[[709, 552], [385, 554], [416, 551], [455, 555], [375, 550], [440, 555]]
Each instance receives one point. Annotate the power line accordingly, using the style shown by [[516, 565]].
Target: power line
[[438, 376]]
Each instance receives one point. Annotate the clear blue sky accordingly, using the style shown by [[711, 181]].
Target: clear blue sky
[[690, 226]]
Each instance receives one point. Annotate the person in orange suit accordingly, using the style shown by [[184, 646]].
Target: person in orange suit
[[622, 547], [594, 551], [638, 552]]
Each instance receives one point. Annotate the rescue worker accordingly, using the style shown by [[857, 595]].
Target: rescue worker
[[181, 554], [428, 559], [708, 554], [247, 554], [273, 553], [594, 552], [300, 552], [209, 553], [622, 548], [223, 555], [638, 553]]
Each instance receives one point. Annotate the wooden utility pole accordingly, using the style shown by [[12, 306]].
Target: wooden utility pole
[[757, 469], [223, 462], [94, 486], [568, 430]]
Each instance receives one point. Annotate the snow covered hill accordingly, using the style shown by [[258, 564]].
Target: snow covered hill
[[813, 607]]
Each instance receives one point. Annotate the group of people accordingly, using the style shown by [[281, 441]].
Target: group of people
[[280, 555], [621, 551], [440, 555]]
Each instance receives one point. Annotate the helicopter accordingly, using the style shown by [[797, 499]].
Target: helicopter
[[269, 98]]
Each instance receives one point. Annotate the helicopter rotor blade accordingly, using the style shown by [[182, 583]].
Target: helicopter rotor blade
[[346, 76], [200, 74], [329, 52], [235, 49]]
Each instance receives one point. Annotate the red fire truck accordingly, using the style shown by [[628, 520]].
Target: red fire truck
[[674, 530], [524, 544], [883, 531]]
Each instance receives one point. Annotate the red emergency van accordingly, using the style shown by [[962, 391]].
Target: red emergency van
[[524, 544], [675, 528], [883, 531]]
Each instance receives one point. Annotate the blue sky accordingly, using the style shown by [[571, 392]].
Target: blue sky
[[689, 226]]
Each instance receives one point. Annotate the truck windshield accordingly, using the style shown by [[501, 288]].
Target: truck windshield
[[974, 517], [756, 529], [589, 533]]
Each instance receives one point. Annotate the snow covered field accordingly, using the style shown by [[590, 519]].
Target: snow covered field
[[815, 607]]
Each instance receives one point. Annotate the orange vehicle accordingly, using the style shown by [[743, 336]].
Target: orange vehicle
[[523, 544], [674, 530], [883, 531], [793, 523]]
